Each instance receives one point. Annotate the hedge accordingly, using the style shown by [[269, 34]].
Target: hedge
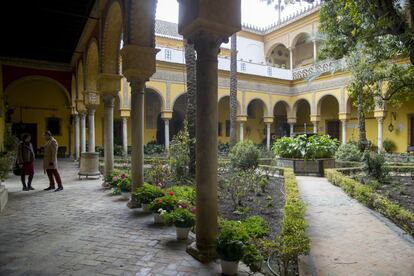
[[367, 196]]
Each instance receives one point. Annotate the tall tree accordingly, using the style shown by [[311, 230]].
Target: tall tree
[[233, 90], [190, 63]]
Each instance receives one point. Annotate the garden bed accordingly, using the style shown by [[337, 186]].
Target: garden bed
[[268, 205]]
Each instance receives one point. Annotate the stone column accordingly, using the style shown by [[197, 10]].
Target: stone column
[[82, 132], [268, 125], [167, 134], [344, 128], [380, 133], [77, 137], [291, 57], [137, 131], [292, 126], [315, 126], [315, 51], [109, 133], [125, 135], [241, 131], [91, 130]]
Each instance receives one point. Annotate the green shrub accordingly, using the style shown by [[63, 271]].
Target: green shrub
[[374, 165], [124, 184], [244, 156], [159, 173], [256, 226], [232, 240], [180, 154], [6, 163], [305, 147], [152, 148], [389, 145], [349, 152], [147, 193], [223, 148], [367, 196], [181, 217], [118, 150], [252, 258]]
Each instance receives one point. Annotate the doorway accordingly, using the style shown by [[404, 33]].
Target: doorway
[[20, 128], [333, 128]]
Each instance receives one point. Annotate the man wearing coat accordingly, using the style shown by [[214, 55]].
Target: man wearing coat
[[50, 162]]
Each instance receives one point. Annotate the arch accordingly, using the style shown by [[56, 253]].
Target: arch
[[302, 50], [238, 102], [80, 87], [173, 100], [159, 94], [154, 127], [92, 65], [279, 56], [265, 107], [111, 39], [43, 78], [324, 97], [179, 113], [295, 105], [285, 104], [73, 91], [299, 38]]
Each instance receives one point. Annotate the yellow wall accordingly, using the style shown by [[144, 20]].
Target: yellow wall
[[34, 101]]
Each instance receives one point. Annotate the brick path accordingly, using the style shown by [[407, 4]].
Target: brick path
[[85, 231], [349, 239]]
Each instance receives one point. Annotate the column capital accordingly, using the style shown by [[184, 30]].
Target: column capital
[[241, 118], [138, 63], [80, 106], [109, 100], [125, 112], [207, 44], [291, 120], [268, 120], [109, 84], [91, 98], [380, 114], [166, 115], [315, 117], [343, 116]]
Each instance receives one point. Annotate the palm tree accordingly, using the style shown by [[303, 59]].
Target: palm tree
[[190, 64], [233, 90]]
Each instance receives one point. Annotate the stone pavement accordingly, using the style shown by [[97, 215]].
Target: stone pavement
[[349, 239], [85, 231]]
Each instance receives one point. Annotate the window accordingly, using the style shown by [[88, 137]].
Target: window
[[167, 54], [219, 129], [53, 125], [243, 67], [227, 128]]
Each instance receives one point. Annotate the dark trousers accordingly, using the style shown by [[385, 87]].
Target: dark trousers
[[54, 174]]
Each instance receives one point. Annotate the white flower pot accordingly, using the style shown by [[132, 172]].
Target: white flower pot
[[125, 195], [229, 268], [182, 233], [158, 219], [145, 207]]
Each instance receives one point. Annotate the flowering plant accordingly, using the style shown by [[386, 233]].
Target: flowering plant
[[181, 217], [168, 203], [124, 184], [147, 193]]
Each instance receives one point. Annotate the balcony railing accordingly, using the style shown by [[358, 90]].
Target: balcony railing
[[317, 69]]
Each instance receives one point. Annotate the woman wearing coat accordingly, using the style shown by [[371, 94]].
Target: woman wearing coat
[[50, 162], [25, 160]]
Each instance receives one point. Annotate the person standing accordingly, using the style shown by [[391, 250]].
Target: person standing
[[50, 162], [25, 160]]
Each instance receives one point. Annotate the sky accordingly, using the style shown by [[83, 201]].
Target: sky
[[254, 12]]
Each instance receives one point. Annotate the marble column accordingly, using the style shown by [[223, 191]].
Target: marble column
[[77, 137], [109, 133], [315, 51], [241, 131], [268, 125], [137, 135], [292, 125], [207, 46], [167, 134], [291, 57], [315, 126], [91, 130], [344, 128], [125, 135], [82, 132], [380, 133]]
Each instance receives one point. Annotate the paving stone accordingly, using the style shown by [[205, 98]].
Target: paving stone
[[347, 238]]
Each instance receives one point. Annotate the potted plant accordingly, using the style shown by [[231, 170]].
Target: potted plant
[[162, 205], [183, 219], [146, 194], [231, 243], [125, 186]]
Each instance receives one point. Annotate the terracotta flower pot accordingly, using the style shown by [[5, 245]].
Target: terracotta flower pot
[[182, 233], [229, 268]]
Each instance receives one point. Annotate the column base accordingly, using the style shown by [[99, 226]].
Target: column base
[[132, 204], [204, 255], [3, 197]]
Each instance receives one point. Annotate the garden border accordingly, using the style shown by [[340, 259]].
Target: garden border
[[373, 200]]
